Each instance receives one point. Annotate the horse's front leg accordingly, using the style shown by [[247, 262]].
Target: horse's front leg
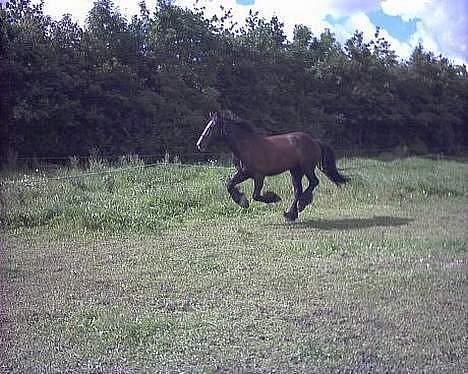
[[268, 197], [236, 195]]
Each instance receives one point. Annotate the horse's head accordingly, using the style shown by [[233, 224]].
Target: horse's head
[[212, 131]]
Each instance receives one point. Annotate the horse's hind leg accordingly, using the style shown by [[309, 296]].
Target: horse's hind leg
[[296, 177], [307, 196], [236, 195], [267, 197]]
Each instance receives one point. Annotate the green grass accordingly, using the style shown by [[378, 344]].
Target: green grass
[[156, 269]]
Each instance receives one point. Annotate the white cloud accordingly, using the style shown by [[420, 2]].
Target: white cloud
[[405, 8], [348, 7], [360, 21], [79, 8], [442, 25]]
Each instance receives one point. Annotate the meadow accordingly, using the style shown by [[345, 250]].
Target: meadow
[[127, 269]]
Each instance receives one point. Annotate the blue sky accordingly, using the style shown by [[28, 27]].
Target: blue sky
[[246, 2], [394, 25], [440, 25]]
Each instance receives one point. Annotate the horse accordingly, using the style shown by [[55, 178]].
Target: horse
[[257, 156]]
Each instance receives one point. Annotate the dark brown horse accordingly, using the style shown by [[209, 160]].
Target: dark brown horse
[[257, 156]]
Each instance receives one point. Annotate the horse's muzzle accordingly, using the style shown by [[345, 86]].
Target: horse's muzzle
[[201, 147]]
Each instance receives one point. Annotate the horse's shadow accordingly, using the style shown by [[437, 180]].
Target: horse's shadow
[[352, 223]]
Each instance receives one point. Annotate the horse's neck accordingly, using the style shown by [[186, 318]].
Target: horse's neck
[[240, 141]]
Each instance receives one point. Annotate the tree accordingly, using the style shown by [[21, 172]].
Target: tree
[[145, 85]]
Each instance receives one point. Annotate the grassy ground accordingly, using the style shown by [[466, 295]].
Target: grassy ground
[[156, 269]]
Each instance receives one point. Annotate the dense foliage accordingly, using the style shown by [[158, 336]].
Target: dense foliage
[[146, 85]]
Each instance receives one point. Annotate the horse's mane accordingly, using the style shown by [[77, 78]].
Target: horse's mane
[[231, 119], [245, 126]]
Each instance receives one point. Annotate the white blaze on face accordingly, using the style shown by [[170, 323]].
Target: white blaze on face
[[204, 134]]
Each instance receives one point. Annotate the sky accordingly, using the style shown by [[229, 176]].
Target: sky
[[440, 25]]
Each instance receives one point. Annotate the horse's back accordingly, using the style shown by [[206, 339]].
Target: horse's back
[[291, 150], [298, 142]]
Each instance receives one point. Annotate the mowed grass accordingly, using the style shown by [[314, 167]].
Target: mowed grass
[[156, 269]]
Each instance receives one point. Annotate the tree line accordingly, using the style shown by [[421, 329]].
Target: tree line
[[145, 85]]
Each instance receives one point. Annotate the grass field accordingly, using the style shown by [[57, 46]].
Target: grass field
[[156, 269]]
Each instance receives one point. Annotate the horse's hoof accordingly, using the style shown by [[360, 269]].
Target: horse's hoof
[[290, 217], [244, 202], [271, 197]]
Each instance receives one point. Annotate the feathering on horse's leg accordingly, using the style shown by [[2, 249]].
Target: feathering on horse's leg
[[268, 197], [238, 197]]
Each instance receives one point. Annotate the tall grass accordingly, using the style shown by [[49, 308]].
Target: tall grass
[[132, 197]]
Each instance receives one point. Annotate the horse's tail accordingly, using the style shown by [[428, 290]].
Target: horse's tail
[[328, 166]]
